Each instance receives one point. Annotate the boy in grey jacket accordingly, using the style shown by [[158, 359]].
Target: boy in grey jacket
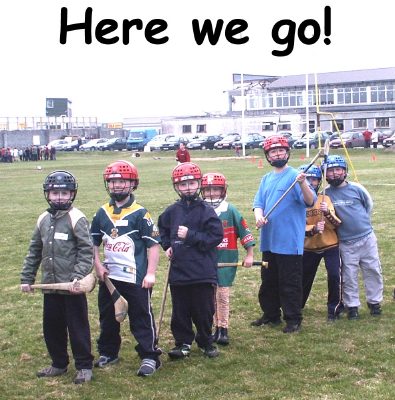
[[357, 241], [62, 245]]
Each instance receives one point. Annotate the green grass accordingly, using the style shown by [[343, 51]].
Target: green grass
[[346, 360]]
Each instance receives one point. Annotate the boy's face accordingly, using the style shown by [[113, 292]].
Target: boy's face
[[212, 192], [119, 185], [60, 196], [188, 187], [314, 182]]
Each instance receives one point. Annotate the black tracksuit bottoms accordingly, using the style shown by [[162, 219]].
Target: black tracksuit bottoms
[[141, 321], [281, 287], [192, 304], [67, 315]]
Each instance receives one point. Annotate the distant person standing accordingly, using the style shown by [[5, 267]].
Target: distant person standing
[[367, 135], [182, 155], [375, 138]]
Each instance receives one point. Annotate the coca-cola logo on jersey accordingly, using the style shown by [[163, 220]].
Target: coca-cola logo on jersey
[[118, 247]]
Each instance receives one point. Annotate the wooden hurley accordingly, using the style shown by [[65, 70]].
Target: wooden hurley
[[240, 264], [163, 304], [86, 284], [120, 304]]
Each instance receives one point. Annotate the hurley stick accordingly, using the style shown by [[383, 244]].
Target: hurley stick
[[86, 284], [120, 304], [240, 264], [162, 306], [326, 152]]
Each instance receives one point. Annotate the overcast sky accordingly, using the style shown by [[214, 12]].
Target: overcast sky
[[115, 81]]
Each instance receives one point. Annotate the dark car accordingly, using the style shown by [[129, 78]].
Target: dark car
[[114, 144], [389, 141], [252, 141], [315, 140], [173, 143], [74, 145], [227, 142], [203, 142], [350, 139]]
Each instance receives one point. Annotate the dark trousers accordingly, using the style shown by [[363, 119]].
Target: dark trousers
[[141, 321], [311, 261], [67, 315], [192, 304], [281, 287]]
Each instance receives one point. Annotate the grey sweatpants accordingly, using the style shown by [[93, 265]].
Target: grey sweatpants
[[361, 254]]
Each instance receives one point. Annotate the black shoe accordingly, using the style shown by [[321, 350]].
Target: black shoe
[[266, 321], [375, 309], [210, 351], [223, 337], [105, 361], [352, 313], [216, 334], [179, 352], [292, 328], [332, 318]]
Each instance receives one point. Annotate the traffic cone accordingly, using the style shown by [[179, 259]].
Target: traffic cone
[[260, 163], [302, 157], [253, 159], [374, 158]]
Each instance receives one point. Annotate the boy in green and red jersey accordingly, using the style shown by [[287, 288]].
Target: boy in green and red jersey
[[213, 192]]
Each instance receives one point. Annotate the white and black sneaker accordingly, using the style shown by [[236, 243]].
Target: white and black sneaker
[[148, 367], [180, 352], [104, 361]]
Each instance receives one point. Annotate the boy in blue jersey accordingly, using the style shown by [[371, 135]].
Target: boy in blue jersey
[[131, 251], [282, 237], [358, 243]]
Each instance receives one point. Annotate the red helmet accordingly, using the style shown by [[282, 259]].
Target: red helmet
[[213, 179], [186, 171], [275, 142], [121, 170]]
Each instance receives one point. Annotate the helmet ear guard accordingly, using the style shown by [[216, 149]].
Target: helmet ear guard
[[58, 181]]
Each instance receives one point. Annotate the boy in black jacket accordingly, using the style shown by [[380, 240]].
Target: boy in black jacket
[[190, 232]]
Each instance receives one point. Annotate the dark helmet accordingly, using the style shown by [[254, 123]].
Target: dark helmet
[[60, 180]]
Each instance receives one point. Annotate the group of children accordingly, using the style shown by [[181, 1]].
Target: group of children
[[199, 234]]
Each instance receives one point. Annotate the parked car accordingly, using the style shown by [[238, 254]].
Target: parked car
[[251, 141], [173, 142], [93, 144], [57, 143], [114, 144], [350, 139], [226, 142], [157, 141], [314, 140], [203, 142], [384, 134], [74, 145], [389, 141]]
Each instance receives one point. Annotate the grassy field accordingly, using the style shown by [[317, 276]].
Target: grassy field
[[345, 360]]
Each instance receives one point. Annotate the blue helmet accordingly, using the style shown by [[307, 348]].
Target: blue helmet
[[335, 160], [312, 172]]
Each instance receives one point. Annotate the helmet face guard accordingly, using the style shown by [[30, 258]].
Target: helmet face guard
[[183, 173], [213, 181], [276, 142], [120, 170], [59, 181]]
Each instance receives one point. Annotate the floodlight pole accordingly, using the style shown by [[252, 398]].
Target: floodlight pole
[[242, 115]]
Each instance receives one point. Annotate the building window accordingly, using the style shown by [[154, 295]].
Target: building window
[[339, 123], [381, 94], [327, 97], [201, 129], [268, 126], [267, 100], [50, 103], [360, 123], [187, 129], [382, 122]]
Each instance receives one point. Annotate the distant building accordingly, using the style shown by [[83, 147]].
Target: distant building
[[57, 107]]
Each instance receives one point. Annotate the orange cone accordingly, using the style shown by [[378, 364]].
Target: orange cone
[[374, 158], [253, 159], [302, 157], [260, 164]]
